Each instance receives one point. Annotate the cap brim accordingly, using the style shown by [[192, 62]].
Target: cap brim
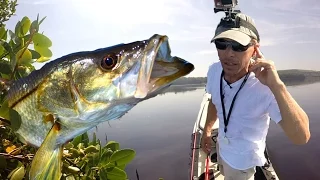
[[235, 35]]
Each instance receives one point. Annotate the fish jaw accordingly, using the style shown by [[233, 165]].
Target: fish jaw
[[147, 62], [159, 69], [165, 72]]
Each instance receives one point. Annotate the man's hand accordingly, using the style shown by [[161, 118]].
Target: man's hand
[[295, 121], [206, 143], [265, 70]]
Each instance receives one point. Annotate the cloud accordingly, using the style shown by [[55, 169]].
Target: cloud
[[306, 42], [40, 2], [283, 5], [207, 52], [289, 30], [268, 42], [124, 12], [288, 14], [289, 7]]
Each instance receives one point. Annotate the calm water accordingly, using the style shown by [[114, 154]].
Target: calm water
[[160, 131]]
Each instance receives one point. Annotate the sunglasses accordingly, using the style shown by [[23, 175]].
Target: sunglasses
[[223, 44]]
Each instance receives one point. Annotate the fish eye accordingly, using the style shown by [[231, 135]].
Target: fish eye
[[108, 62]]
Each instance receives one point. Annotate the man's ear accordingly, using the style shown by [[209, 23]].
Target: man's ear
[[256, 44]]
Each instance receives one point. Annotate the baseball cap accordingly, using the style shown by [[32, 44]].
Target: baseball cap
[[241, 29]]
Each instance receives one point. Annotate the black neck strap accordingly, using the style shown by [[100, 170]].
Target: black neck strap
[[226, 119]]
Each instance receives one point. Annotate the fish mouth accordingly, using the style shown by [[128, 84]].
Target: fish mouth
[[158, 68]]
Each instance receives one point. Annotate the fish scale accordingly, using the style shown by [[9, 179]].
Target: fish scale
[[24, 86], [33, 132]]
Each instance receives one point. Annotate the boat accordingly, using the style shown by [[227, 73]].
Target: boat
[[204, 167]]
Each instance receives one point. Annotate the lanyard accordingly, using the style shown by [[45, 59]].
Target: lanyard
[[226, 120]]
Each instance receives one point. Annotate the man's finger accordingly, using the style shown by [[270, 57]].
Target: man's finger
[[260, 64], [259, 53], [257, 72]]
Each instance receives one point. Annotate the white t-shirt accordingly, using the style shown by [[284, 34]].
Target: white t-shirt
[[249, 121]]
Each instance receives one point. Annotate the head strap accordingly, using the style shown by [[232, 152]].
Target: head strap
[[233, 21]]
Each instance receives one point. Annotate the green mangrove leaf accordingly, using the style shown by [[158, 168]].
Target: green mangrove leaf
[[3, 33], [41, 40], [2, 50], [85, 138], [71, 177], [24, 58], [43, 51], [42, 19], [43, 59], [18, 29], [114, 146], [25, 25], [94, 140], [105, 158], [68, 146], [73, 169], [34, 26], [35, 54], [115, 173], [123, 156], [5, 67], [4, 110], [93, 159], [103, 174], [15, 119], [17, 174], [3, 162], [77, 140], [91, 149]]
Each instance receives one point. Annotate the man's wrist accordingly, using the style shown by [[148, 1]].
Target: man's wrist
[[277, 86]]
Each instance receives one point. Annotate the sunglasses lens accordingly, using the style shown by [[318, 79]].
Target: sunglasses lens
[[222, 45], [238, 47]]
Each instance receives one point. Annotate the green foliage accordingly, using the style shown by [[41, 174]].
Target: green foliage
[[21, 48], [7, 9], [17, 55], [82, 158], [89, 159]]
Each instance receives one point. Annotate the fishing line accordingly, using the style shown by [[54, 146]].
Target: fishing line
[[207, 168], [193, 152]]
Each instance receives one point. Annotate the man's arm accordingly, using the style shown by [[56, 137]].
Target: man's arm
[[211, 118], [295, 121]]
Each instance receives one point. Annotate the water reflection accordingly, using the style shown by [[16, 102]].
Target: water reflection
[[160, 131], [182, 88], [292, 161]]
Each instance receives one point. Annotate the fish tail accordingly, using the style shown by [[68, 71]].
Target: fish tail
[[47, 162]]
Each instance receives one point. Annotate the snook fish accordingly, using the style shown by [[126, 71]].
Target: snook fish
[[74, 93]]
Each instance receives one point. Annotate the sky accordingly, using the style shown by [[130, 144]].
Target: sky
[[289, 29]]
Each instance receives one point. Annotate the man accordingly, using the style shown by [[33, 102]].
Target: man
[[262, 95]]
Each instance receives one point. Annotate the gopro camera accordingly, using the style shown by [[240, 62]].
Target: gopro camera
[[225, 5]]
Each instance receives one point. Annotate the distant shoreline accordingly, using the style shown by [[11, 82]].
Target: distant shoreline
[[290, 77]]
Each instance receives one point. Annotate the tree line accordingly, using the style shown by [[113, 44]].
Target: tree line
[[289, 77]]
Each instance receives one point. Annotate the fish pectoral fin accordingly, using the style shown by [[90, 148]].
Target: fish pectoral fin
[[47, 162]]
